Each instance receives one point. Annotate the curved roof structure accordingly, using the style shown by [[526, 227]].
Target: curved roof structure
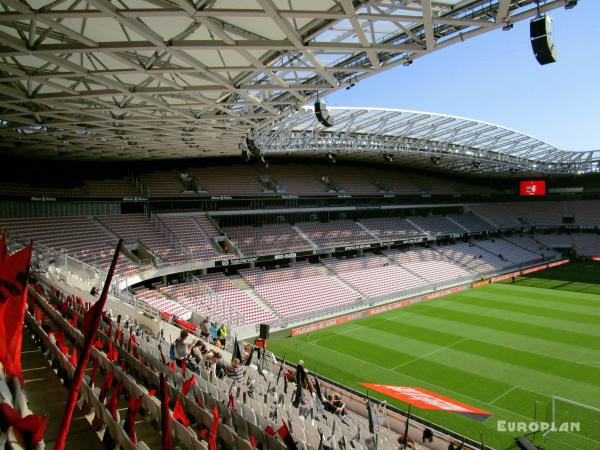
[[421, 139], [156, 79]]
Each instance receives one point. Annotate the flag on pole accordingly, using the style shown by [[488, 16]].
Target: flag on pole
[[284, 433], [212, 434], [93, 322], [14, 275], [135, 404], [166, 437]]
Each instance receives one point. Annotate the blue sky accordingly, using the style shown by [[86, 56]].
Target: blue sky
[[495, 78]]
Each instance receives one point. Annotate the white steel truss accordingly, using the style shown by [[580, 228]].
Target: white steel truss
[[420, 139], [139, 79]]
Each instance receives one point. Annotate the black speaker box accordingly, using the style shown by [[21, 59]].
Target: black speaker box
[[264, 330], [323, 115]]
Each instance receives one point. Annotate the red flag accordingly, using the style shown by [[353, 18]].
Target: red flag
[[187, 384], [269, 430], [252, 442], [106, 385], [14, 273], [167, 438], [212, 435], [98, 344], [73, 358], [32, 426], [3, 249], [286, 437], [114, 399], [135, 403], [38, 314], [179, 414]]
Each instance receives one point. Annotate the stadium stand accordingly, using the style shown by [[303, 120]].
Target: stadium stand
[[507, 251], [228, 180], [79, 237], [268, 239], [473, 257], [299, 290], [471, 222], [335, 233], [349, 180], [374, 276], [392, 228], [586, 244], [429, 265], [585, 213], [297, 179], [135, 228], [553, 240], [498, 214], [436, 225], [161, 184], [191, 234]]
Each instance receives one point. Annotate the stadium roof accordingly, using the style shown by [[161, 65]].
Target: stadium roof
[[155, 79], [420, 139]]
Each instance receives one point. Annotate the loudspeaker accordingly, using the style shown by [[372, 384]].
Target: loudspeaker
[[540, 31], [264, 330], [323, 115]]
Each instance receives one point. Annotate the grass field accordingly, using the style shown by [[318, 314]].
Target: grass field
[[500, 348]]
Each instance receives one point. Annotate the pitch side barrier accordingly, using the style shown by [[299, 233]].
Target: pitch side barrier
[[418, 299]]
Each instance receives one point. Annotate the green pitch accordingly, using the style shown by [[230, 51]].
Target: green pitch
[[501, 348]]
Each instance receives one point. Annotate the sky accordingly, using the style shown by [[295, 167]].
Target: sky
[[495, 78]]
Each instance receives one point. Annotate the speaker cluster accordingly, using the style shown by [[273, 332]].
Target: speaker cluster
[[322, 114], [540, 31]]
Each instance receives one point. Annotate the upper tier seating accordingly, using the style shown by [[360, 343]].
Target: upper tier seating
[[299, 290], [540, 213], [80, 237], [436, 225], [586, 244], [391, 228], [165, 184], [190, 234], [499, 214], [472, 223], [267, 240], [137, 227], [335, 233], [296, 179], [228, 180], [374, 276], [350, 180], [396, 182], [585, 212]]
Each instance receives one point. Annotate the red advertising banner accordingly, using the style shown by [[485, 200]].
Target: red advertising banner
[[532, 187], [559, 263], [595, 258], [424, 399]]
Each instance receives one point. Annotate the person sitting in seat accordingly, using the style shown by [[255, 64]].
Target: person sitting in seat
[[339, 405]]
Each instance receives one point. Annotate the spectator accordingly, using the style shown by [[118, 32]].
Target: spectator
[[427, 435], [214, 332], [204, 328], [235, 370], [306, 384], [182, 348], [329, 404], [339, 405], [224, 332]]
